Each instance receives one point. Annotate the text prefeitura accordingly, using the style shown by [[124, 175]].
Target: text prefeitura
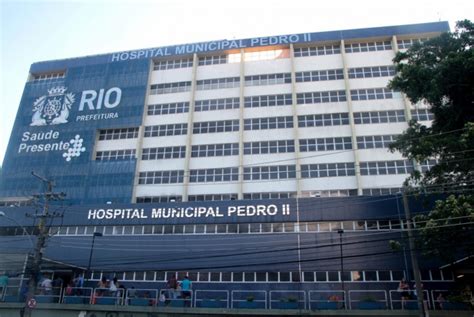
[[188, 212]]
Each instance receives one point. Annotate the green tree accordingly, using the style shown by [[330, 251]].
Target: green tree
[[440, 72], [447, 231]]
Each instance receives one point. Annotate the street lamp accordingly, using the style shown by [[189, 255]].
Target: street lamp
[[341, 231], [2, 214], [95, 234]]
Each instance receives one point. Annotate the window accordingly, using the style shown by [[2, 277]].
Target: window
[[375, 117], [161, 177], [407, 43], [319, 120], [160, 153], [321, 276], [158, 199], [216, 104], [308, 276], [213, 60], [369, 72], [368, 47], [327, 170], [427, 165], [218, 83], [268, 123], [333, 276], [269, 196], [320, 97], [213, 150], [213, 197], [422, 115], [169, 88], [116, 155], [317, 50], [268, 101], [173, 64], [216, 126], [166, 130], [269, 147], [386, 167], [266, 55], [325, 144], [117, 134], [47, 76], [380, 191], [319, 75], [168, 108], [268, 79], [371, 94], [214, 175], [285, 277], [370, 276], [273, 276], [375, 141], [357, 276], [270, 172]]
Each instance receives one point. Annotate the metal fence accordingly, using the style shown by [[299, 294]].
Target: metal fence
[[246, 299]]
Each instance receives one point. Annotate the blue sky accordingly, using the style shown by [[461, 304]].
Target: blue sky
[[37, 30]]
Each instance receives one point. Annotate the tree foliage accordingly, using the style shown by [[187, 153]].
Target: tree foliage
[[447, 231], [440, 72]]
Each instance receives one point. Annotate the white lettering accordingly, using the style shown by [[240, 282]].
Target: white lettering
[[272, 210], [156, 213], [88, 96], [115, 57], [294, 38], [100, 99], [118, 97], [91, 214]]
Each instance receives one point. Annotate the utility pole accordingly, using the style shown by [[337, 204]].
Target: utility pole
[[40, 241], [341, 231], [414, 259]]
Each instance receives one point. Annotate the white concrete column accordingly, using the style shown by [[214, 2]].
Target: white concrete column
[[351, 119], [189, 136], [294, 111], [241, 125], [406, 102], [141, 133]]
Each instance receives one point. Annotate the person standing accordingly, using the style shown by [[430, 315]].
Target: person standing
[[3, 282], [47, 285], [186, 291], [172, 285], [404, 290]]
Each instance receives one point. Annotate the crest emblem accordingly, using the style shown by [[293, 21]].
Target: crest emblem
[[52, 108]]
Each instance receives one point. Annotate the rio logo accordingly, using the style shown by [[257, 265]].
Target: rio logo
[[108, 98], [54, 108]]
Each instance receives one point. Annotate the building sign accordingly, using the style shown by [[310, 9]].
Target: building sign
[[55, 107], [59, 107], [52, 108], [210, 47], [51, 141], [260, 210]]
